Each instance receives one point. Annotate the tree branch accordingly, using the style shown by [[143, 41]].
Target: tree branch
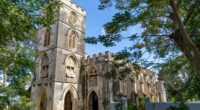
[[183, 40], [190, 12], [10, 65]]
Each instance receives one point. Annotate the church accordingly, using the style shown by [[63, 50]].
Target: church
[[67, 79]]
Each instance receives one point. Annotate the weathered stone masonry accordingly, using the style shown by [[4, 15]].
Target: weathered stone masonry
[[67, 79]]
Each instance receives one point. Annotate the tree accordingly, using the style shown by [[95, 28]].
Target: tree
[[19, 21], [171, 28], [17, 63], [181, 82]]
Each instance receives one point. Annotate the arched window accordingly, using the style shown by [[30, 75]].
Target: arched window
[[72, 40], [93, 77], [47, 38], [70, 67], [45, 67]]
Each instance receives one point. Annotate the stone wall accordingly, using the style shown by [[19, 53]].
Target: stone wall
[[69, 71], [136, 85], [165, 105]]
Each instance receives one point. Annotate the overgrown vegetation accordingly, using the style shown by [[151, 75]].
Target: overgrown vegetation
[[106, 103], [132, 105]]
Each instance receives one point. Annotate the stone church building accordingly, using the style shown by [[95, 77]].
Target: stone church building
[[67, 79]]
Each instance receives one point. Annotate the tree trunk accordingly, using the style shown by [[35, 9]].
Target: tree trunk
[[191, 51], [5, 78], [184, 42]]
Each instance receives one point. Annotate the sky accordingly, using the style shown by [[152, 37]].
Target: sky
[[95, 19]]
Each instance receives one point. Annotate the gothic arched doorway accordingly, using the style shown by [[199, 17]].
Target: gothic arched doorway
[[93, 101], [43, 101], [69, 101]]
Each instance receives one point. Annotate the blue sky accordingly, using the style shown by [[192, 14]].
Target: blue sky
[[95, 19]]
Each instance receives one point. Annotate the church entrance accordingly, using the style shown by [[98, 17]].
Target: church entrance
[[68, 101], [43, 101], [93, 101]]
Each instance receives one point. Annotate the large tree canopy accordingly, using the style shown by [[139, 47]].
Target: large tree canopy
[[171, 28], [19, 21]]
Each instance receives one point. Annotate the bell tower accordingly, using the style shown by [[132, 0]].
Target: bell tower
[[57, 81]]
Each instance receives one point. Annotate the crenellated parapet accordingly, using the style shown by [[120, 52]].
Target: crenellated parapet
[[99, 58], [145, 83], [74, 6]]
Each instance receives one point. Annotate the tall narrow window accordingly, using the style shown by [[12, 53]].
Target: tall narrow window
[[72, 40], [47, 38], [142, 87], [45, 67], [93, 77], [116, 89], [70, 67]]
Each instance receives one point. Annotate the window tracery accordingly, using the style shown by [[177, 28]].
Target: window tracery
[[73, 18], [93, 77], [72, 40], [70, 67], [47, 38], [45, 67]]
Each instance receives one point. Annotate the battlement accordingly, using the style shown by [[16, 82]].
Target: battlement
[[74, 6], [101, 57], [147, 72]]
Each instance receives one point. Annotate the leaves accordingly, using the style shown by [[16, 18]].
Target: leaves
[[91, 40], [104, 4], [19, 21], [154, 17], [157, 46], [180, 81], [18, 72]]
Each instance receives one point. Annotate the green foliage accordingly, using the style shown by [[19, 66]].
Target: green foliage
[[181, 82], [141, 105], [105, 103], [170, 39], [19, 21], [132, 105], [23, 103], [156, 19], [17, 70], [151, 15]]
